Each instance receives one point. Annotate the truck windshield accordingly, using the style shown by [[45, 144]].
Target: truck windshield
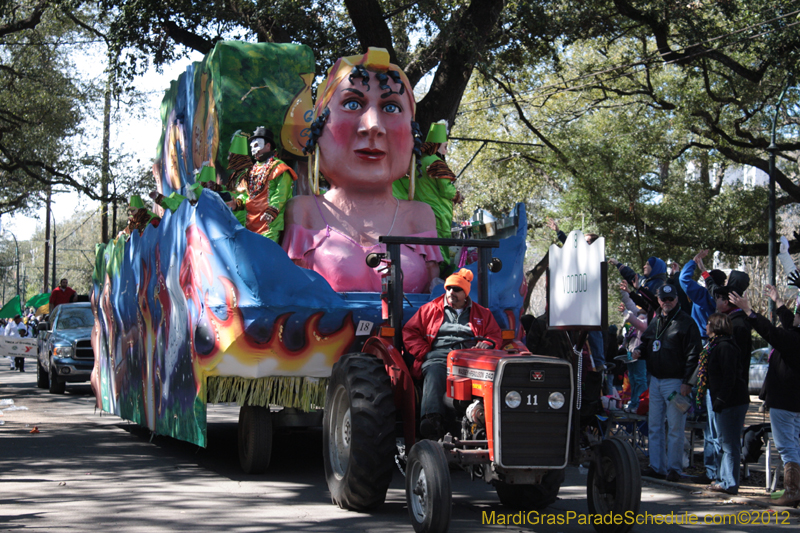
[[80, 317]]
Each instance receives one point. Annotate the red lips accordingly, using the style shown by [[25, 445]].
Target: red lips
[[370, 154]]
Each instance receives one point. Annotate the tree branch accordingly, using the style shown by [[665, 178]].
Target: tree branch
[[690, 242], [27, 23], [187, 38], [561, 156], [467, 40], [660, 31]]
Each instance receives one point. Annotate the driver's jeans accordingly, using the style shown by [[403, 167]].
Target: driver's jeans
[[434, 385]]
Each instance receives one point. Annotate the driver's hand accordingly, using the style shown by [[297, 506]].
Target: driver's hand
[[484, 345]]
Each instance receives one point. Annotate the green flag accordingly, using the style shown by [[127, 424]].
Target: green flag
[[38, 300], [11, 309]]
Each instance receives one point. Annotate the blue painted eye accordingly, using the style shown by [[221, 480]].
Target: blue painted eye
[[392, 108], [352, 105]]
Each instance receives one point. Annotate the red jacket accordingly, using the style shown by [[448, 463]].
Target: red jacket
[[61, 296], [420, 332]]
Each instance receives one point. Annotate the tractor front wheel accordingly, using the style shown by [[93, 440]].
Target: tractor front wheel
[[614, 484], [428, 492]]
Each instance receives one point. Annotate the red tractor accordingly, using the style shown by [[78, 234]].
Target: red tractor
[[513, 421]]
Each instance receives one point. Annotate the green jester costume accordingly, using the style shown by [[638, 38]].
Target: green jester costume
[[435, 184]]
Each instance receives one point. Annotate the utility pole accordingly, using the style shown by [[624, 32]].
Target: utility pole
[[46, 242], [772, 149], [54, 253], [104, 171]]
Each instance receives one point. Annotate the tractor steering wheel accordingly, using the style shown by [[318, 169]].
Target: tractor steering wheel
[[476, 339], [490, 341]]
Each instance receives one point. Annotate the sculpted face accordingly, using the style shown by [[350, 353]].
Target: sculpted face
[[367, 138]]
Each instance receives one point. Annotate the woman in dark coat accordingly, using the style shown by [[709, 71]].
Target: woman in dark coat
[[729, 397], [782, 393]]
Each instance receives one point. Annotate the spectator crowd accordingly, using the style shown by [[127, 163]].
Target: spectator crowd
[[685, 346]]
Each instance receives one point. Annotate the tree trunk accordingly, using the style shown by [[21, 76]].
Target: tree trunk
[[532, 277]]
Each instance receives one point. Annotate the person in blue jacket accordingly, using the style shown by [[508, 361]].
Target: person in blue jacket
[[703, 306], [643, 289], [703, 303]]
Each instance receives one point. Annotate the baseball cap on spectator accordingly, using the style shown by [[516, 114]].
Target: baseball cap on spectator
[[667, 291]]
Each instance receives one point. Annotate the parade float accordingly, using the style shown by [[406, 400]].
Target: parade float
[[198, 310]]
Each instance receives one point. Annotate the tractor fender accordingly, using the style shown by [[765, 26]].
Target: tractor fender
[[402, 382]]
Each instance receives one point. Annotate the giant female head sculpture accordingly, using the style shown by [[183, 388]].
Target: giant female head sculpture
[[363, 131], [362, 139]]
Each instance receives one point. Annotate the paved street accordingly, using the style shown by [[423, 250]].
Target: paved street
[[83, 471]]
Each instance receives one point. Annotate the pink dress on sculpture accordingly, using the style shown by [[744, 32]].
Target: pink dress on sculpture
[[342, 261]]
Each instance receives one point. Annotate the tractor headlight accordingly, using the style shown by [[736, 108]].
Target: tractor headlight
[[513, 399], [556, 400]]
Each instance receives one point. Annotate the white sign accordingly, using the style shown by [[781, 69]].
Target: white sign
[[364, 328], [577, 293], [18, 347]]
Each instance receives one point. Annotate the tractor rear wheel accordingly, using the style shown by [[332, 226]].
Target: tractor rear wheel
[[358, 432]]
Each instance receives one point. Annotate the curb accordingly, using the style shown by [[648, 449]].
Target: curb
[[736, 499]]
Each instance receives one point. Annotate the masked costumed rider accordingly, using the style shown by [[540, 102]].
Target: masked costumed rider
[[268, 181], [433, 332]]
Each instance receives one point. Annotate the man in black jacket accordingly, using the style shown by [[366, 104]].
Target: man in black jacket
[[671, 346], [781, 387]]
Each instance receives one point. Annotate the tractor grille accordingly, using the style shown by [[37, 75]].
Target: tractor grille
[[83, 350], [533, 434]]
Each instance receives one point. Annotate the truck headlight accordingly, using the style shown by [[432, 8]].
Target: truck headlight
[[556, 400], [62, 351], [513, 399]]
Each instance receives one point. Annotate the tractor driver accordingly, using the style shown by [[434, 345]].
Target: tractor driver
[[433, 332]]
